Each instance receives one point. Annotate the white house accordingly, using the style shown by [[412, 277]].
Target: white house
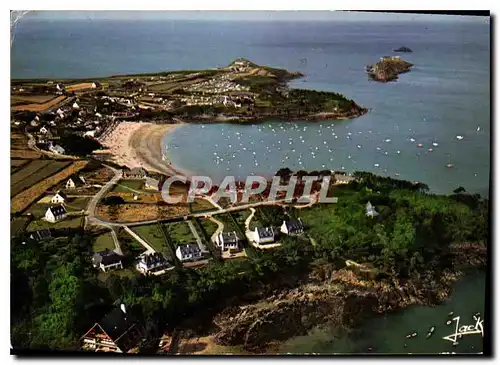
[[57, 149], [43, 130], [59, 198], [55, 214], [187, 252], [107, 260], [151, 262], [228, 240], [291, 227], [76, 106], [74, 182], [264, 235]]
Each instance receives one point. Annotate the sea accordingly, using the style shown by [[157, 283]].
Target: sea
[[431, 125]]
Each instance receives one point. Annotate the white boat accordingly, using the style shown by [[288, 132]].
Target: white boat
[[460, 137]]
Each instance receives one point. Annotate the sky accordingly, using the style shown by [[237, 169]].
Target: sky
[[242, 15]]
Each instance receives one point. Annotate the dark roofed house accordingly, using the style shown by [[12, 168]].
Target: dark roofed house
[[190, 251], [228, 240], [152, 262], [55, 213], [117, 332], [40, 235], [59, 198], [264, 235], [135, 173], [291, 227], [107, 260]]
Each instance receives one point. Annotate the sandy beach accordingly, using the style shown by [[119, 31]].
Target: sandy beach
[[137, 144]]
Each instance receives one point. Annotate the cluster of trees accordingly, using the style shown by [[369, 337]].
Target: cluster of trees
[[76, 145]]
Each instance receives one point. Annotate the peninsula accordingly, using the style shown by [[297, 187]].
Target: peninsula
[[388, 68], [241, 92]]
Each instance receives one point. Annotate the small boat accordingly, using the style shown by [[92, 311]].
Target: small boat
[[376, 165], [450, 165], [435, 144], [412, 139], [430, 150], [478, 129], [448, 322], [420, 145], [431, 331], [451, 313], [460, 137]]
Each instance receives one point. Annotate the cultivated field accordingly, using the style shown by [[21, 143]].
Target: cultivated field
[[78, 87], [34, 172], [19, 147], [36, 107], [136, 212], [30, 99], [22, 200]]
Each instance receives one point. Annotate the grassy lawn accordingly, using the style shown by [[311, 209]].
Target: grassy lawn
[[76, 204], [124, 186], [152, 235], [180, 233], [240, 217], [103, 242], [209, 226], [38, 209], [66, 223], [124, 273], [228, 222]]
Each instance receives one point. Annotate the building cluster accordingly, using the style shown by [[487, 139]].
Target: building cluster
[[217, 85]]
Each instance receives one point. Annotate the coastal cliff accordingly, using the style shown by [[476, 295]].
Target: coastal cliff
[[337, 299], [388, 68]]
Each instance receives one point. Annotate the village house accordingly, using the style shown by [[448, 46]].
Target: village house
[[135, 173], [228, 241], [107, 260], [187, 252], [370, 210], [40, 235], [117, 332], [59, 198], [57, 149], [292, 227], [264, 235], [152, 184], [152, 262], [55, 214], [43, 130], [75, 182]]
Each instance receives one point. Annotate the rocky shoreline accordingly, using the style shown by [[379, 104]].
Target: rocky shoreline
[[338, 299]]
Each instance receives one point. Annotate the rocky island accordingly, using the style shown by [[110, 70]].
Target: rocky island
[[403, 49], [388, 68]]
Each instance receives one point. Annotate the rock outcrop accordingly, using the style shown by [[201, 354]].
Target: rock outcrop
[[388, 68], [403, 49]]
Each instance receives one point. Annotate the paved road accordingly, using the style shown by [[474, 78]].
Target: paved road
[[91, 219]]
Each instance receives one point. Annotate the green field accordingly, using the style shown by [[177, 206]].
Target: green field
[[209, 226], [76, 204], [152, 235], [103, 242], [34, 172], [66, 223], [38, 209], [180, 233], [128, 186]]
